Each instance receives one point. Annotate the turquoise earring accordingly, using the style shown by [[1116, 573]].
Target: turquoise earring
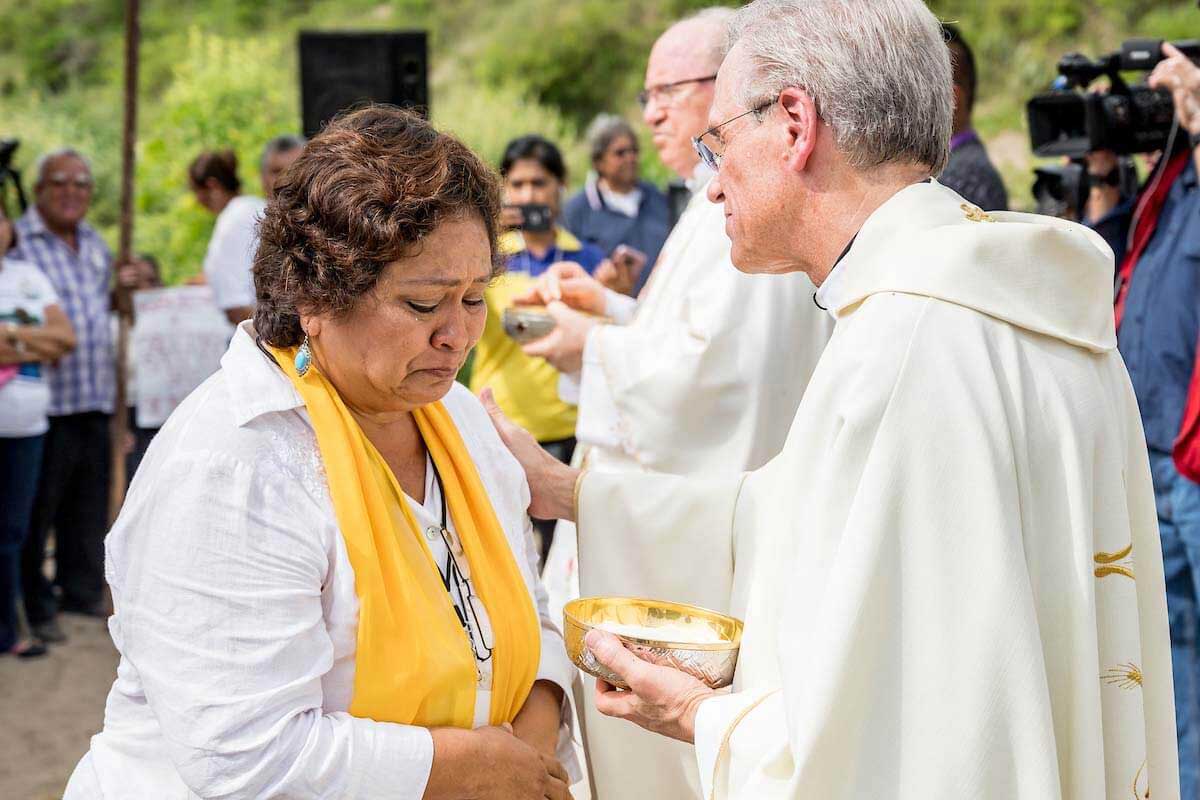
[[303, 358]]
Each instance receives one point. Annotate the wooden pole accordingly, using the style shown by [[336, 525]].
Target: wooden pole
[[120, 426]]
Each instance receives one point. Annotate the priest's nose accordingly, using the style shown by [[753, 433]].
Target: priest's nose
[[715, 193]]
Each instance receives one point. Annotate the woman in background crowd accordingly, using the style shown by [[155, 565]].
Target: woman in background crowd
[[230, 256], [527, 388], [618, 212], [34, 330]]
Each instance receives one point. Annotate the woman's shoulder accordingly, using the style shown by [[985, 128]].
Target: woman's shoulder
[[500, 472], [478, 432], [469, 415]]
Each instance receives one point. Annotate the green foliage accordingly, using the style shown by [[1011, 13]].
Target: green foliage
[[223, 93], [222, 73]]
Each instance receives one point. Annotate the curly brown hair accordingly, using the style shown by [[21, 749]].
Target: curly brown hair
[[364, 193]]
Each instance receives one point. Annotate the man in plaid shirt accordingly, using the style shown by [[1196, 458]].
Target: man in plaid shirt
[[73, 489]]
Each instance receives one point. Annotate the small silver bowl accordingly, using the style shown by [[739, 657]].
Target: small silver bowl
[[712, 663], [527, 323]]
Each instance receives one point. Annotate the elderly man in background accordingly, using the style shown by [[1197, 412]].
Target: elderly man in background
[[73, 488], [617, 212], [950, 577], [277, 155], [705, 377]]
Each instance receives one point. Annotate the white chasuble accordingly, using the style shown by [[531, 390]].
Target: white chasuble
[[957, 588], [705, 379]]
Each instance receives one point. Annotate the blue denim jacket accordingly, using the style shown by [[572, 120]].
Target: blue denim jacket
[[1161, 322]]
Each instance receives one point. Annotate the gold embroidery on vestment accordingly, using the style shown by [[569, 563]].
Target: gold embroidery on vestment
[[975, 213], [1137, 793], [1126, 676], [1108, 563], [1109, 558]]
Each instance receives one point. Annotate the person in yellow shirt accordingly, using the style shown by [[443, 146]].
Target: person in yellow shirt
[[527, 387]]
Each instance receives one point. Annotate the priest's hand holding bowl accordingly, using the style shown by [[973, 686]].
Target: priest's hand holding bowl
[[660, 699]]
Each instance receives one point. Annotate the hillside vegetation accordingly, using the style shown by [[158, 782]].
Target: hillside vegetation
[[224, 73]]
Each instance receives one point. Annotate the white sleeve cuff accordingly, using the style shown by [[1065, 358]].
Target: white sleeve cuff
[[619, 307], [392, 761], [715, 722]]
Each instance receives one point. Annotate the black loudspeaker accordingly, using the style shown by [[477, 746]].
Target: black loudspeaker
[[341, 70]]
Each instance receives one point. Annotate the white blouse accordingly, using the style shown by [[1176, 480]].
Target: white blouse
[[236, 615]]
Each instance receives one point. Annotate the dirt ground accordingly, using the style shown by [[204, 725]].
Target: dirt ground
[[50, 707]]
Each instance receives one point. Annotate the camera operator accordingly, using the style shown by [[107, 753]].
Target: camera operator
[[1158, 322]]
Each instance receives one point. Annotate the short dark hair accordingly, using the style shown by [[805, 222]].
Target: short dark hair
[[535, 148], [284, 143], [962, 59], [218, 164], [364, 193]]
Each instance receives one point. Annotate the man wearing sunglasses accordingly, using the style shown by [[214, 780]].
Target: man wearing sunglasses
[[72, 495], [956, 580]]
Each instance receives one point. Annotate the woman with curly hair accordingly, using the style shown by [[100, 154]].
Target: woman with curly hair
[[324, 575]]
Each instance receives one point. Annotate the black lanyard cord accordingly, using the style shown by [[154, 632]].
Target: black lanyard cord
[[453, 575]]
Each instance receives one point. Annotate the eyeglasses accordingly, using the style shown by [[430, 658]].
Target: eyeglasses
[[59, 180], [455, 578], [665, 94], [710, 157], [622, 152]]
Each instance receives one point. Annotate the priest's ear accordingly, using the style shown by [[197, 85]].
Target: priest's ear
[[803, 126]]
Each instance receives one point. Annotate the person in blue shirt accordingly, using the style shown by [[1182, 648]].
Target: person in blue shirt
[[614, 207], [1158, 319]]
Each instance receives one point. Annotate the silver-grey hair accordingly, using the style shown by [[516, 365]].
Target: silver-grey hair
[[604, 130], [39, 166], [284, 143], [720, 18], [878, 72]]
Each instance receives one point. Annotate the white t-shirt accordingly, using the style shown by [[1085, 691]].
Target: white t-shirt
[[626, 203], [24, 294], [230, 256]]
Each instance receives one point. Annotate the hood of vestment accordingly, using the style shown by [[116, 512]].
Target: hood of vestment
[[1039, 273]]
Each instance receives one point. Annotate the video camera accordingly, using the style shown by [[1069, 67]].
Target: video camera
[[1070, 121]]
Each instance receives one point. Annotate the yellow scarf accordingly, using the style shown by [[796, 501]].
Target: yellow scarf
[[414, 663]]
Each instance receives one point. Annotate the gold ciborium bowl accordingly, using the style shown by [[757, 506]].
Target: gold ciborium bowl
[[702, 643]]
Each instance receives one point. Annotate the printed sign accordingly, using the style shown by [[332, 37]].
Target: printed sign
[[177, 341]]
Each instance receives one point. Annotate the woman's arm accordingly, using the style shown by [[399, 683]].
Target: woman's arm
[[46, 342], [491, 763], [539, 720]]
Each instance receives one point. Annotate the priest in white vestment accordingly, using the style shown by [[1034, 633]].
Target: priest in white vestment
[[704, 378], [958, 588]]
